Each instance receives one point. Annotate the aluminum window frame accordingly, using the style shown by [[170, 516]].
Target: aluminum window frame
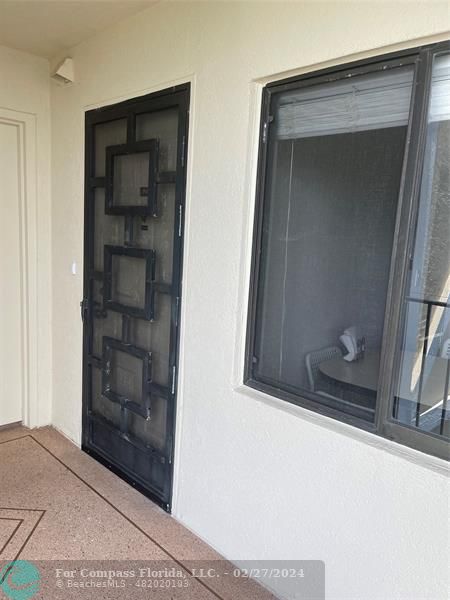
[[421, 58]]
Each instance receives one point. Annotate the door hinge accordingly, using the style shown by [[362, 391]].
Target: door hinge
[[266, 128], [174, 376], [170, 446], [183, 150], [177, 317], [180, 219], [84, 307]]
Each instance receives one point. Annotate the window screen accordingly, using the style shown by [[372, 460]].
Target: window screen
[[349, 297], [334, 169]]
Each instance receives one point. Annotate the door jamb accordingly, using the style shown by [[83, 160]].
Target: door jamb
[[26, 132]]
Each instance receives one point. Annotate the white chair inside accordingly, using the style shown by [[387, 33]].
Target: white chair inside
[[313, 361]]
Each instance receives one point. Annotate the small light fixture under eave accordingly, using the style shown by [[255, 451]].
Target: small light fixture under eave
[[64, 72]]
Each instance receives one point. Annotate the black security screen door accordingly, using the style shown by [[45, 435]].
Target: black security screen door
[[135, 184]]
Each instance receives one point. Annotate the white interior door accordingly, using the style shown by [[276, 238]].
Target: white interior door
[[11, 358]]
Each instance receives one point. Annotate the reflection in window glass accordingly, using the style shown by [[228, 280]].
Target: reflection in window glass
[[423, 383]]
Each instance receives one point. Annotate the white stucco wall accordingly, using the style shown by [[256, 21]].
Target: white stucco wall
[[24, 87], [255, 477]]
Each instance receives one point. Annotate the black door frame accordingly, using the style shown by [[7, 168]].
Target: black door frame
[[176, 96]]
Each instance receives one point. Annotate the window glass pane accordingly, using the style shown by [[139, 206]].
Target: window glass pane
[[423, 383], [334, 165]]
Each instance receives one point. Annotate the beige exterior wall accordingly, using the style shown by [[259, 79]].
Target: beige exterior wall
[[255, 477]]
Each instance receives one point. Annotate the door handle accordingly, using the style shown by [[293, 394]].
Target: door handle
[[84, 308]]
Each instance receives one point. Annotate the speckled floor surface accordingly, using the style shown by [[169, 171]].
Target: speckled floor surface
[[58, 504]]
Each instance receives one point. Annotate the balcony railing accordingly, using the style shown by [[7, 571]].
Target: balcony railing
[[437, 420]]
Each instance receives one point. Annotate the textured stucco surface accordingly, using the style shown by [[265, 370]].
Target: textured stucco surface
[[253, 478]]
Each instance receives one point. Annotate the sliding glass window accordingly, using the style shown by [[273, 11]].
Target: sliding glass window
[[335, 286], [422, 385]]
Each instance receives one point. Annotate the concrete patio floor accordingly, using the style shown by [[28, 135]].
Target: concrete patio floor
[[58, 504]]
